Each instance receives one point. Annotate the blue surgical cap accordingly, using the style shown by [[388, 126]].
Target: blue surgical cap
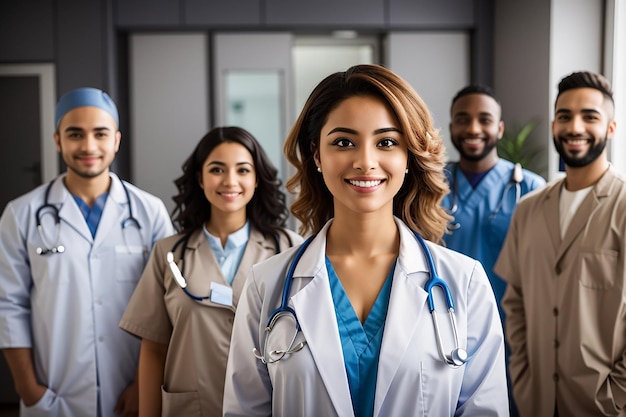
[[85, 97]]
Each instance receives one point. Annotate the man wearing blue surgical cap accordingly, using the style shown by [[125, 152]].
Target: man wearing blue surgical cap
[[71, 253]]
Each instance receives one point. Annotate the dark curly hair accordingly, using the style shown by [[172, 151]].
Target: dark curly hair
[[267, 211]]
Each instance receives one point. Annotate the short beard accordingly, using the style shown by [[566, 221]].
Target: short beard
[[489, 146], [574, 162]]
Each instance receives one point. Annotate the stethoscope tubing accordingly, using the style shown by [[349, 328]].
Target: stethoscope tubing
[[39, 213], [179, 273], [515, 180], [455, 359]]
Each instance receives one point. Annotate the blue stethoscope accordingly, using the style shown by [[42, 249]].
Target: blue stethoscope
[[517, 176], [457, 357], [47, 207]]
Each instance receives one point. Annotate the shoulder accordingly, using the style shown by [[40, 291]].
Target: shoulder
[[167, 243], [613, 187], [142, 195], [268, 274], [289, 238], [450, 168], [26, 204], [530, 201], [410, 246], [450, 256], [532, 179]]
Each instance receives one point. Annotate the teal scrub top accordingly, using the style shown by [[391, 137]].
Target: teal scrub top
[[360, 343]]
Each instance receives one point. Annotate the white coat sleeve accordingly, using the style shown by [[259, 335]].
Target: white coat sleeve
[[484, 388], [15, 283], [248, 389], [162, 223]]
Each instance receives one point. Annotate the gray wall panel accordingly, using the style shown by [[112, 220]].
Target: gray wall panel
[[219, 13], [82, 40], [355, 13], [147, 13], [431, 13], [26, 31]]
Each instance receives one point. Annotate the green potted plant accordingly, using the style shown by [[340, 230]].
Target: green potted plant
[[515, 147]]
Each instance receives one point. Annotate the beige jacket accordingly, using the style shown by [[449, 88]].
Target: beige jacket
[[197, 332], [566, 303]]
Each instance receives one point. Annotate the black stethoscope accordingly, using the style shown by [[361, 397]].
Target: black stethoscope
[[457, 357], [517, 176], [179, 273], [54, 211]]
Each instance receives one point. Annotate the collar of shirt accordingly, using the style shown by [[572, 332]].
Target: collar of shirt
[[229, 256], [234, 241]]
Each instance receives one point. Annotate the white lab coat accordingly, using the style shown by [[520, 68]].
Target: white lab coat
[[67, 307], [412, 379]]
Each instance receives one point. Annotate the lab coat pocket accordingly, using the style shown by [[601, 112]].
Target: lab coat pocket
[[47, 406], [598, 269], [129, 263], [175, 404]]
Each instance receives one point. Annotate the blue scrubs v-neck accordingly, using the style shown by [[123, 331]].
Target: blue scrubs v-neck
[[361, 343]]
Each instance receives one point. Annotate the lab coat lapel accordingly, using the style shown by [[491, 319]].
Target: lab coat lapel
[[68, 209], [316, 314], [552, 216], [401, 324], [114, 213], [584, 212], [257, 248], [202, 268]]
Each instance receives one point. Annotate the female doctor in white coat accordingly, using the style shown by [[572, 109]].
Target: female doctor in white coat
[[369, 171]]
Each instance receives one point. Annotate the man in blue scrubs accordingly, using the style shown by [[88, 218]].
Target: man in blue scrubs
[[483, 188]]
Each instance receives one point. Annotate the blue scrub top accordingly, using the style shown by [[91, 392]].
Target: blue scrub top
[[360, 343], [93, 214], [481, 232]]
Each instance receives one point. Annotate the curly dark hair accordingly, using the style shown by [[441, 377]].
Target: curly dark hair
[[267, 211], [418, 203]]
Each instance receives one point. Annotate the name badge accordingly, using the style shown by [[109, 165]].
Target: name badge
[[221, 294]]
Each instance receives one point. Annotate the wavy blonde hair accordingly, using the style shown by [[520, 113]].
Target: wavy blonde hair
[[418, 202]]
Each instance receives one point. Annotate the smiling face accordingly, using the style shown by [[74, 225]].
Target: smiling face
[[363, 156], [476, 127], [582, 125], [228, 179], [88, 139]]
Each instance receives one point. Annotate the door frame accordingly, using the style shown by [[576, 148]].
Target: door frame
[[47, 101]]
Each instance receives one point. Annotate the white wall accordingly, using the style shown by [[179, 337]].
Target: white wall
[[257, 52], [615, 64], [437, 65], [168, 107], [536, 43], [576, 39]]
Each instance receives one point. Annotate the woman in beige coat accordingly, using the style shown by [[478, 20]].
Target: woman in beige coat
[[231, 214]]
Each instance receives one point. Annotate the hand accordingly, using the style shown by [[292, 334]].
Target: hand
[[33, 394], [128, 404]]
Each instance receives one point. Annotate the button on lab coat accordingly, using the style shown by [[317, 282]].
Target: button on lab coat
[[67, 306], [412, 379]]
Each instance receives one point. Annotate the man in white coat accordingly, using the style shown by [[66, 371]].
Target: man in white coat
[[71, 253]]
